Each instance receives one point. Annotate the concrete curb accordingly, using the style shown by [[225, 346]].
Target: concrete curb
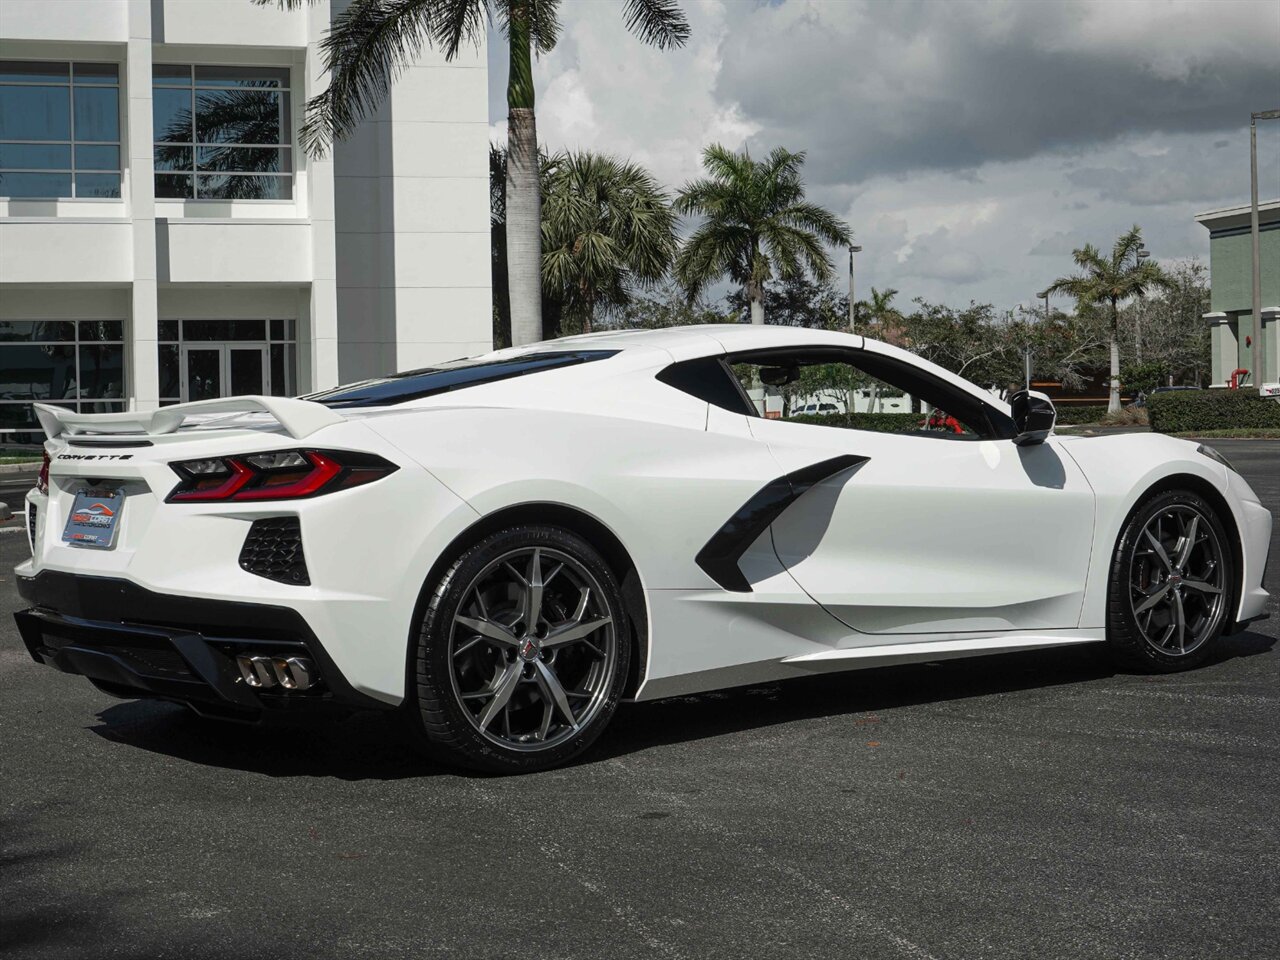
[[33, 467]]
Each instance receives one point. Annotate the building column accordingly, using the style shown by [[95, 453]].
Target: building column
[[1271, 350], [321, 371], [1222, 348], [143, 361]]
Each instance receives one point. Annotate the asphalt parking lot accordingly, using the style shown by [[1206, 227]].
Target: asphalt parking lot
[[1030, 805]]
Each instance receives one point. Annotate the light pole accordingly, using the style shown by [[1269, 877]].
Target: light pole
[[1253, 233], [1142, 253], [853, 304], [1026, 356]]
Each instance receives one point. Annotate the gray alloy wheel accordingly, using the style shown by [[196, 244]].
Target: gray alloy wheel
[[1176, 584], [1172, 583], [521, 653], [533, 649]]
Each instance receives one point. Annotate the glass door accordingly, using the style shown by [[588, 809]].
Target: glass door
[[212, 370], [247, 371], [201, 369]]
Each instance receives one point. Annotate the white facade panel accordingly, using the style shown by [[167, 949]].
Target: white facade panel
[[65, 251], [218, 251], [231, 24], [81, 21]]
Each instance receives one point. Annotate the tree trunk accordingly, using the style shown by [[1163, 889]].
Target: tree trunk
[[756, 295], [524, 194], [1113, 402]]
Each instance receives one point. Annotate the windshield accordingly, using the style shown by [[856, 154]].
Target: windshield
[[444, 377]]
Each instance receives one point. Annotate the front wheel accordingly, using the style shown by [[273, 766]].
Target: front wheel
[[522, 653], [1170, 590]]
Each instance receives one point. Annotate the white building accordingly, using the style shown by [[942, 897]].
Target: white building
[[163, 237]]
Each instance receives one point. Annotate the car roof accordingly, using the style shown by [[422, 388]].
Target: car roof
[[700, 339]]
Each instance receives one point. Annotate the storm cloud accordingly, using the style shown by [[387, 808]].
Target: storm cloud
[[970, 145]]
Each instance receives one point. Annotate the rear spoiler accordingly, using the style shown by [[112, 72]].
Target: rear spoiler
[[299, 418]]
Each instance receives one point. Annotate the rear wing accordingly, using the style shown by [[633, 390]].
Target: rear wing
[[300, 418]]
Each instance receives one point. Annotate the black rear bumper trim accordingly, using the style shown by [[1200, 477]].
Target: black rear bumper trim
[[97, 626]]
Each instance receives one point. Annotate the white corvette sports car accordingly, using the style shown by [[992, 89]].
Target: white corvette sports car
[[505, 547]]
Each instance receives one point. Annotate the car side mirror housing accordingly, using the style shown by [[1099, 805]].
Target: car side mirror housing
[[1034, 416]]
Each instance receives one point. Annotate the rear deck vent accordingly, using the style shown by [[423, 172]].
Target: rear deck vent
[[273, 549]]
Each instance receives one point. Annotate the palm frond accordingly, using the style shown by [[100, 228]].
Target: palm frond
[[367, 46], [658, 22], [455, 22]]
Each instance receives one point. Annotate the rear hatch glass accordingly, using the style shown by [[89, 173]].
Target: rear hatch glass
[[454, 375]]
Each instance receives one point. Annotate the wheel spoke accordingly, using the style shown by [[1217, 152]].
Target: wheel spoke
[[504, 685], [489, 629], [573, 632], [1180, 621], [533, 591], [1187, 542], [1151, 599], [1158, 549], [552, 690], [1201, 586]]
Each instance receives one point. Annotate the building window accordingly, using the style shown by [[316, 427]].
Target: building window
[[200, 359], [78, 364], [222, 133], [59, 130]]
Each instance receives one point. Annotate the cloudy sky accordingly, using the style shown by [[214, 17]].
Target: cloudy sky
[[970, 146]]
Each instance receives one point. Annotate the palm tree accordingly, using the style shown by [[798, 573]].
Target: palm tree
[[757, 225], [1110, 281], [370, 42], [607, 228], [886, 319]]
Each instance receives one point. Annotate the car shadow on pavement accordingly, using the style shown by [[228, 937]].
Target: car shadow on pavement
[[681, 719], [376, 747], [365, 746]]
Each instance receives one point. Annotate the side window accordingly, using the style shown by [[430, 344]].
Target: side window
[[861, 391]]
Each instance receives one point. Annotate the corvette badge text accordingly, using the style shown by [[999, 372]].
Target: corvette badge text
[[95, 456]]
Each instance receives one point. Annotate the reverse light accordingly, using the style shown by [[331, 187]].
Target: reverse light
[[278, 475], [42, 478]]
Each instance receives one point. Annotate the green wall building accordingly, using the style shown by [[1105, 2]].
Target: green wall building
[[1231, 298]]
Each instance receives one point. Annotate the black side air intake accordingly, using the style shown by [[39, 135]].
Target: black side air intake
[[719, 558], [273, 549]]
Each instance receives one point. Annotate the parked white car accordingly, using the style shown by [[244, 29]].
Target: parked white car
[[507, 546]]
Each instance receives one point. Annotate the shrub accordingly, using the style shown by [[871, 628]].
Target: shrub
[[1072, 416], [1185, 411], [1127, 417], [881, 422]]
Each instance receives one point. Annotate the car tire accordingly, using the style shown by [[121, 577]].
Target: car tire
[[1170, 594], [521, 654]]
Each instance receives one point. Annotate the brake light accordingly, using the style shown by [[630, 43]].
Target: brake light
[[42, 478], [279, 475]]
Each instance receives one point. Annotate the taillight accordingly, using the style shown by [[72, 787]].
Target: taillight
[[42, 478], [278, 475]]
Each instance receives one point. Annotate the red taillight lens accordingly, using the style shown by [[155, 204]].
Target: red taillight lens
[[42, 478], [282, 475]]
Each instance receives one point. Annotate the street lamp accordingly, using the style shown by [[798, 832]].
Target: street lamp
[[1026, 352], [853, 304], [1253, 233]]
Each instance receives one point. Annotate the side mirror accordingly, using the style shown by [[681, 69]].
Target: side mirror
[[1034, 415]]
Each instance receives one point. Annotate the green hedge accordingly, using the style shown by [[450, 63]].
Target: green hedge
[[883, 422], [1087, 413], [1185, 411]]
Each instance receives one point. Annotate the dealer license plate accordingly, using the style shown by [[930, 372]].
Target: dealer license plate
[[95, 514]]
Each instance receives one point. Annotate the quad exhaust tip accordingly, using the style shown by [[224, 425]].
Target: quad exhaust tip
[[291, 673]]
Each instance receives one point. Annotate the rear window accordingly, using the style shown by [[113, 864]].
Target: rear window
[[454, 375]]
